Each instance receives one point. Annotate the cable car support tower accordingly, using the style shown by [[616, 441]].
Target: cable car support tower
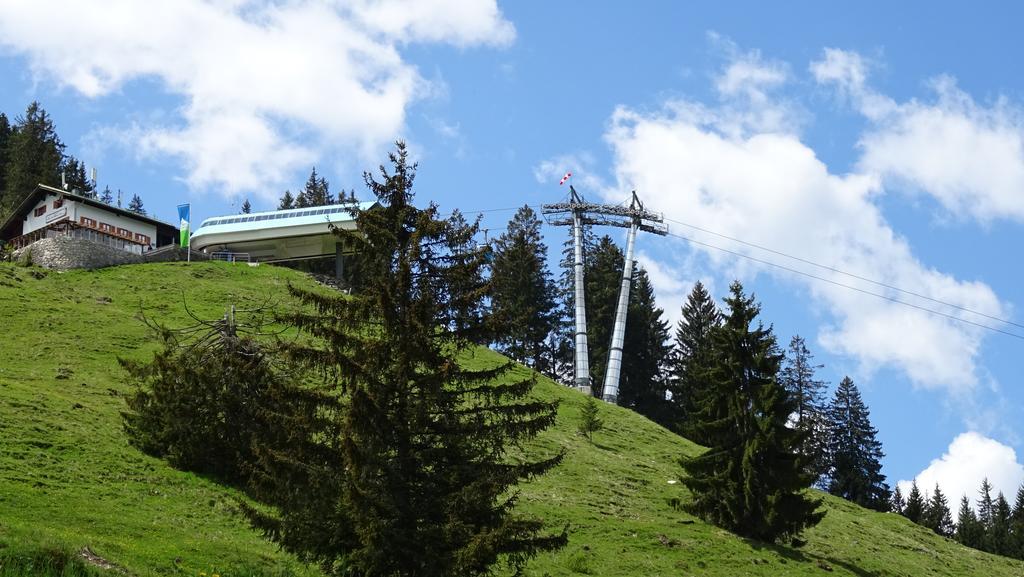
[[578, 213]]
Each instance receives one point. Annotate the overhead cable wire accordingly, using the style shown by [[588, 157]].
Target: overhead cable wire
[[848, 274], [847, 286]]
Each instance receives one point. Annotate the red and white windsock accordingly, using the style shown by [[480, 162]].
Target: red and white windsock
[[564, 178]]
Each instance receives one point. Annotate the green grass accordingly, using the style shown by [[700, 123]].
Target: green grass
[[69, 480]]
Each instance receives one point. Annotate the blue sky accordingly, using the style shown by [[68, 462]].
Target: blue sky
[[883, 140]]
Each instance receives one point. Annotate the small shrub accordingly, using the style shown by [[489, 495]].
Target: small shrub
[[200, 404], [579, 562]]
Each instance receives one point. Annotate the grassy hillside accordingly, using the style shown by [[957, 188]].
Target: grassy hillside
[[69, 480]]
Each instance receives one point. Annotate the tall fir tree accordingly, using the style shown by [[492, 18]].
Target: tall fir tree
[[1017, 524], [603, 278], [316, 192], [106, 196], [287, 201], [937, 516], [752, 480], [985, 505], [135, 205], [915, 504], [969, 531], [6, 132], [798, 377], [646, 353], [523, 292], [35, 155], [896, 503], [999, 539], [246, 207], [76, 178], [855, 455], [692, 358], [426, 482]]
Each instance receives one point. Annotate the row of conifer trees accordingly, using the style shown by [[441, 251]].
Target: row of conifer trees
[[990, 524]]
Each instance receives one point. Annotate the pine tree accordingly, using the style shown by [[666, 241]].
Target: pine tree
[[897, 504], [426, 484], [246, 207], [603, 278], [999, 538], [523, 295], [915, 504], [968, 528], [937, 516], [693, 354], [798, 377], [76, 178], [1017, 525], [985, 505], [751, 481], [136, 205], [646, 352], [316, 192], [34, 156], [855, 454], [590, 423], [287, 202], [5, 139], [106, 196]]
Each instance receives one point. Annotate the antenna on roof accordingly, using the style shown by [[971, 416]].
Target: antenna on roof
[[64, 180], [93, 175]]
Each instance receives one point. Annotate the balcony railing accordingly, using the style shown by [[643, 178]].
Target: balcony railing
[[71, 230]]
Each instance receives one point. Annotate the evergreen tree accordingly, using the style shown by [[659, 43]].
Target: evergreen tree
[[999, 539], [5, 139], [855, 454], [915, 504], [937, 516], [106, 196], [897, 504], [425, 479], [1017, 524], [590, 423], [752, 480], [692, 357], [34, 156], [246, 207], [136, 205], [523, 295], [797, 376], [646, 352], [287, 201], [603, 278], [985, 505], [969, 531], [316, 192], [76, 178]]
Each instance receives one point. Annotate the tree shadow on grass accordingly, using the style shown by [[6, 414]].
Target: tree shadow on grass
[[791, 553]]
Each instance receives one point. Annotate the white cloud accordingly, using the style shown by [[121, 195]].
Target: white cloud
[[770, 188], [970, 458], [967, 156], [257, 78]]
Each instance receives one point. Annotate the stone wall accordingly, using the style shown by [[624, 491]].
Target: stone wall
[[63, 253]]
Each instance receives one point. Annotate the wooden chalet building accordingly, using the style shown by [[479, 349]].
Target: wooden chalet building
[[51, 212]]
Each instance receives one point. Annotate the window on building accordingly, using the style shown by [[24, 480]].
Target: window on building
[[41, 210], [58, 203], [106, 227], [86, 221]]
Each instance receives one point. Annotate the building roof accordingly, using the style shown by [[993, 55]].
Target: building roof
[[9, 229], [280, 219]]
